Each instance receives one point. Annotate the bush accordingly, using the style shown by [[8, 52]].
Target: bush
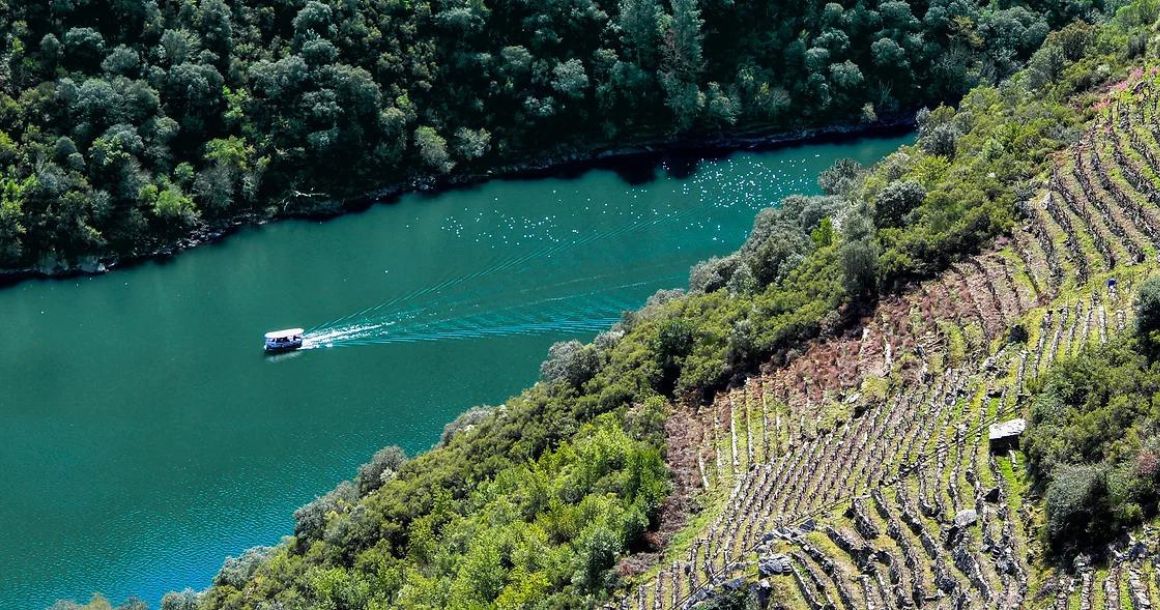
[[570, 362], [895, 201], [1076, 505], [237, 570], [433, 149], [98, 602], [466, 421], [382, 468], [1092, 443], [841, 177], [1147, 308], [859, 255], [713, 274], [310, 520], [184, 600], [777, 243]]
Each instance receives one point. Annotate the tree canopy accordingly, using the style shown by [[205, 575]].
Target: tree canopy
[[124, 126]]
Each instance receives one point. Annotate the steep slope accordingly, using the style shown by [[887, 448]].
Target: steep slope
[[862, 460]]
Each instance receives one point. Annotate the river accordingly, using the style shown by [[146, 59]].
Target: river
[[144, 436]]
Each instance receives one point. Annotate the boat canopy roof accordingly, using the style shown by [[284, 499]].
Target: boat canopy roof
[[284, 334]]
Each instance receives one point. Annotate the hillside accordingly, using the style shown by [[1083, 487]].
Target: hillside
[[856, 458], [131, 128], [807, 426]]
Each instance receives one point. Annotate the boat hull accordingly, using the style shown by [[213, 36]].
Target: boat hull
[[282, 348]]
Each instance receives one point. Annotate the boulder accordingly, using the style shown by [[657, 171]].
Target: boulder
[[775, 565], [966, 518]]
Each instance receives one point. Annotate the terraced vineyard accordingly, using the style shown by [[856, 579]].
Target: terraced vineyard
[[860, 475]]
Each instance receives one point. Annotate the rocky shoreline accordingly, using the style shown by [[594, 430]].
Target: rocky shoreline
[[547, 165]]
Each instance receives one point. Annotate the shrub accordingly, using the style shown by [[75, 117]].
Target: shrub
[[570, 362], [310, 520], [840, 177], [713, 274], [859, 255], [382, 468], [1147, 308], [184, 600], [895, 201], [466, 421], [433, 149], [1092, 444], [1076, 505], [237, 570]]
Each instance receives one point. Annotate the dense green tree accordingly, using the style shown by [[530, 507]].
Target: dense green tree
[[84, 47], [1093, 447], [683, 62], [571, 362], [1076, 504], [840, 177], [859, 253], [11, 214], [895, 201], [640, 22], [433, 149], [1147, 308], [99, 602], [569, 78], [183, 600], [381, 469], [712, 274], [337, 98]]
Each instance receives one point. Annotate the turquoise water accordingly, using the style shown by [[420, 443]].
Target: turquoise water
[[145, 436]]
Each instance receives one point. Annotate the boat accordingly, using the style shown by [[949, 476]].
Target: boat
[[284, 340]]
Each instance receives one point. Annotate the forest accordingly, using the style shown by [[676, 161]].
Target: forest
[[128, 126]]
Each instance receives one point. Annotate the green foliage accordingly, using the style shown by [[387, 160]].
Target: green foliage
[[841, 177], [1076, 504], [571, 362], [11, 213], [896, 201], [169, 203], [98, 602], [859, 253], [529, 530], [464, 423], [180, 600], [1147, 308], [739, 599], [382, 468], [712, 274], [328, 100], [433, 149], [1093, 445]]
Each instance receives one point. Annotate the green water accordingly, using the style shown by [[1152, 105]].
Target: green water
[[144, 436]]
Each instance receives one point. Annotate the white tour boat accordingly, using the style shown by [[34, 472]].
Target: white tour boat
[[284, 340]]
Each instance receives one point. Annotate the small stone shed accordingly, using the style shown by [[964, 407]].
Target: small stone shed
[[1004, 436]]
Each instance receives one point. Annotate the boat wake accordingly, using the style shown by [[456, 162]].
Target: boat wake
[[482, 303], [328, 337], [445, 318]]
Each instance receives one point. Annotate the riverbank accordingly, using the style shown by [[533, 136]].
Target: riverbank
[[644, 154]]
